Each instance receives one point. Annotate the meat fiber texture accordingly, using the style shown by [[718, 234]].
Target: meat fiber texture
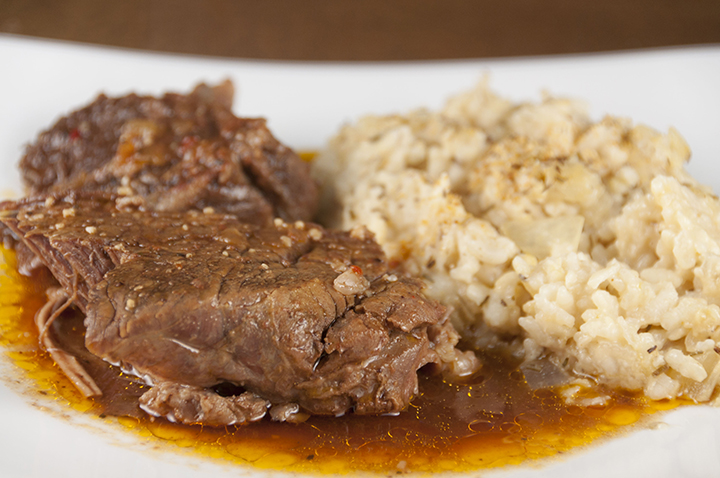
[[301, 318], [586, 242], [173, 153]]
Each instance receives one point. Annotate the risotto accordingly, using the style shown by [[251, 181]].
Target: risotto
[[586, 243]]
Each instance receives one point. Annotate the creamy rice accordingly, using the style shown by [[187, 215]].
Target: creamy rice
[[584, 242]]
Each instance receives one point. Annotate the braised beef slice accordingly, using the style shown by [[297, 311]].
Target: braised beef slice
[[197, 299], [171, 154]]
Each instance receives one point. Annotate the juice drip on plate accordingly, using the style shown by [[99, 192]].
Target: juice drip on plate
[[492, 419]]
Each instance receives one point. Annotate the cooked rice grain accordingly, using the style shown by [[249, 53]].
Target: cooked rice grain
[[585, 242]]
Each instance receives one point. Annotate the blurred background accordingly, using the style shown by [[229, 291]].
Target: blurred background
[[368, 30]]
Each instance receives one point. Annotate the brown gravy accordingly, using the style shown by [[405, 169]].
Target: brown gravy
[[490, 420]]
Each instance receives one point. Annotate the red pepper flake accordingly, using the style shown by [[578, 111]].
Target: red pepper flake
[[188, 142], [356, 270], [74, 134]]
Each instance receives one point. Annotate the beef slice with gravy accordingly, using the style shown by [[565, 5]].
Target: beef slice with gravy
[[298, 318], [173, 153]]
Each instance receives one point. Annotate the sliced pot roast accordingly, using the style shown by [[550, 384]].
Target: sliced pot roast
[[298, 319]]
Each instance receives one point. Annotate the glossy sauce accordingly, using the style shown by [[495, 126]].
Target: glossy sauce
[[493, 419]]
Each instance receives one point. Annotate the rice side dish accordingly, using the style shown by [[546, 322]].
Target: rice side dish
[[563, 239]]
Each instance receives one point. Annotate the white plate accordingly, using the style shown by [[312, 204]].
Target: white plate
[[305, 103]]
